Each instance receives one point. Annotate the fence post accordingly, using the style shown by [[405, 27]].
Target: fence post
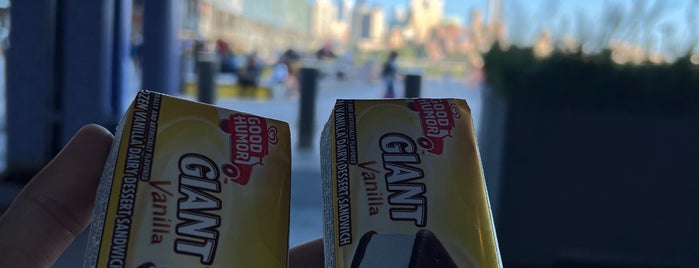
[[413, 83], [309, 84], [207, 70]]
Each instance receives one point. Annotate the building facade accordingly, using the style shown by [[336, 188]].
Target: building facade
[[425, 15], [263, 26], [324, 20]]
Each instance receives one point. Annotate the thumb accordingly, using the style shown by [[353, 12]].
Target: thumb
[[56, 204]]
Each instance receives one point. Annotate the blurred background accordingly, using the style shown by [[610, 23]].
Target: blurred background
[[587, 112]]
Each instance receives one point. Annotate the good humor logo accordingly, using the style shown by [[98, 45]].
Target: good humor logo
[[437, 117], [250, 141]]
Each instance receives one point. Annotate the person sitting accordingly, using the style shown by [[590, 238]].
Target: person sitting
[[249, 74]]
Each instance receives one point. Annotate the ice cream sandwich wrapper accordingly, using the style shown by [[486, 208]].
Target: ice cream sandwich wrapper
[[192, 185], [403, 186]]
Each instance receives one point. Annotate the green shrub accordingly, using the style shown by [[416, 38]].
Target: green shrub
[[593, 82]]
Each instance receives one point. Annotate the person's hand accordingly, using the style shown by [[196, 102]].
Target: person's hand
[[308, 255], [56, 205]]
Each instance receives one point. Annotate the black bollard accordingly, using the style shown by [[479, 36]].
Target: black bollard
[[207, 70], [307, 107], [413, 82]]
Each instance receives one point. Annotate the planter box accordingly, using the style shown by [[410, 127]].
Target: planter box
[[578, 187]]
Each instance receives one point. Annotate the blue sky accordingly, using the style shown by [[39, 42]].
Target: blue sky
[[528, 17]]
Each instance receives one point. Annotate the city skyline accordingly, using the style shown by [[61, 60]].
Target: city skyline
[[561, 17], [452, 8], [656, 26]]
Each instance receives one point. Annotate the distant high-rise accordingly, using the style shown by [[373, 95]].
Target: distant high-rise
[[345, 11], [494, 11], [365, 31], [478, 29], [425, 15], [400, 16], [264, 26], [369, 27], [357, 21], [377, 24], [323, 19], [496, 25]]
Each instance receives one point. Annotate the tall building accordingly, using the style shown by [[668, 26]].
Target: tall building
[[378, 26], [425, 15], [543, 46], [365, 22], [342, 28], [496, 25], [478, 31], [345, 11], [400, 16], [324, 15], [215, 17], [369, 27], [397, 26], [357, 21], [494, 11], [264, 26]]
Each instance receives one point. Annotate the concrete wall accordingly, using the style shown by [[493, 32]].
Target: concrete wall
[[574, 187]]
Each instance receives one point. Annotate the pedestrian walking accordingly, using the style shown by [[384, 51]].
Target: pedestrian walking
[[389, 72]]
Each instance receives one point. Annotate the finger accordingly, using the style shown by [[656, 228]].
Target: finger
[[56, 204], [307, 255]]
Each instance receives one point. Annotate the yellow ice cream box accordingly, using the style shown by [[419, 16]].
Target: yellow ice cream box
[[192, 185], [403, 186]]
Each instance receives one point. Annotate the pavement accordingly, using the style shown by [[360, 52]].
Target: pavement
[[306, 213]]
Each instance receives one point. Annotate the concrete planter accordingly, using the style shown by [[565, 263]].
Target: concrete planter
[[577, 187]]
